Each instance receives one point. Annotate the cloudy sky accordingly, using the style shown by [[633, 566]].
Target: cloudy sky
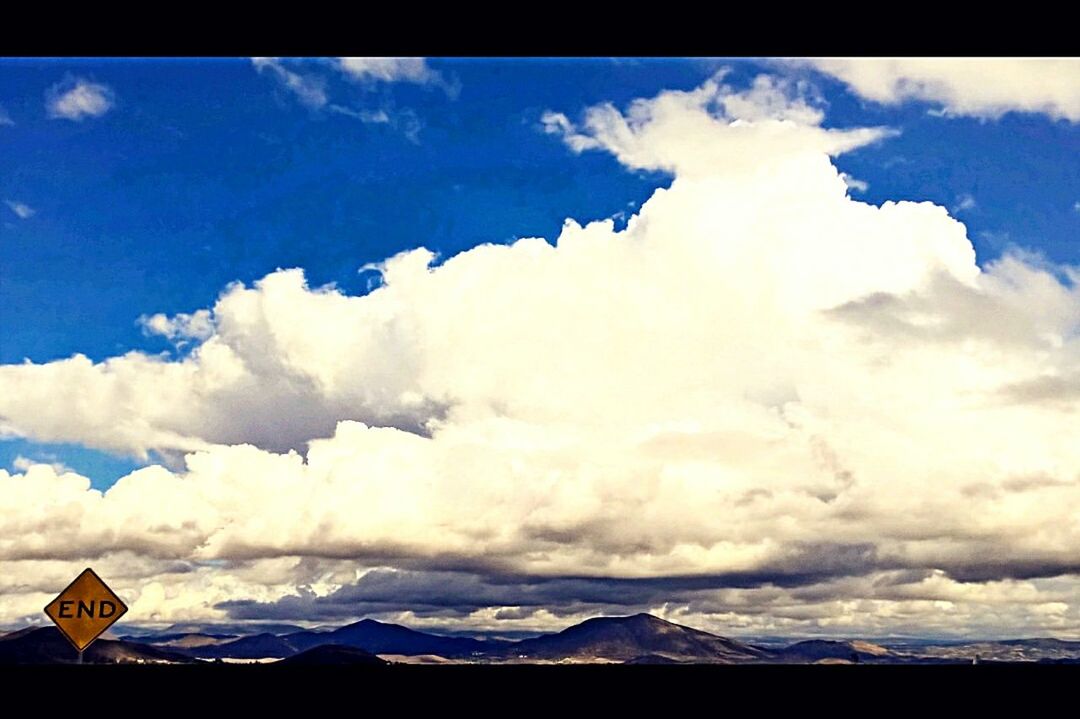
[[764, 347]]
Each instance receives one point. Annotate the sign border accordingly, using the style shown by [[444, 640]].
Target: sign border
[[93, 639]]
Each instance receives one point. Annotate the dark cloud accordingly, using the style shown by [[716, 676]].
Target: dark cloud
[[795, 586], [977, 570], [439, 593], [455, 593], [901, 577]]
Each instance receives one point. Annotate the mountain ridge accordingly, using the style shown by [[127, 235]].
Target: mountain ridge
[[637, 639], [626, 638]]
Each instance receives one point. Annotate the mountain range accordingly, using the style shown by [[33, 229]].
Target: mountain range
[[637, 639]]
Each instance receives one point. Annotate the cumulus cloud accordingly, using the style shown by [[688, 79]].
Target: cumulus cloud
[[766, 403], [77, 98], [976, 87], [22, 210], [691, 133], [5, 118], [196, 326]]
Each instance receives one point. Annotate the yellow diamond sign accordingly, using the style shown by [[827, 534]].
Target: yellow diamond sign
[[85, 609]]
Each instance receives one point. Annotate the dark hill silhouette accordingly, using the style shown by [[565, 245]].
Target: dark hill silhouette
[[45, 645], [370, 635], [814, 650], [333, 654], [384, 638]]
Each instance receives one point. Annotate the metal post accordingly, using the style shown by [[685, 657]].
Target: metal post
[[79, 660]]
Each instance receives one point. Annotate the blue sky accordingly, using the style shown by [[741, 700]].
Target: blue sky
[[207, 172], [776, 395]]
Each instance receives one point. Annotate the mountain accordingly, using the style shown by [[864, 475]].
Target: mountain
[[333, 654], [614, 639], [1044, 644], [368, 634], [624, 639], [383, 638], [637, 639], [817, 650], [256, 646], [45, 645]]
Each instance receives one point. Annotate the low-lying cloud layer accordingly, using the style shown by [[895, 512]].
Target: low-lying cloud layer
[[763, 405]]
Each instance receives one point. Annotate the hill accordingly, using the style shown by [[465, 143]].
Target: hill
[[623, 639], [384, 638], [370, 635], [256, 646], [45, 645], [821, 650], [333, 655]]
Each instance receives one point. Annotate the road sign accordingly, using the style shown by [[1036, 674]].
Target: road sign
[[85, 609]]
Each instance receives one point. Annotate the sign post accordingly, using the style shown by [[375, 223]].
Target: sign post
[[85, 609]]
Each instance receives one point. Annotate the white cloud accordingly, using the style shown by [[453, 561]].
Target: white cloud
[[854, 183], [310, 90], [77, 98], [556, 123], [24, 464], [21, 463], [196, 326], [22, 210], [690, 133], [388, 69], [978, 87], [378, 117], [964, 202], [759, 375], [5, 118]]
